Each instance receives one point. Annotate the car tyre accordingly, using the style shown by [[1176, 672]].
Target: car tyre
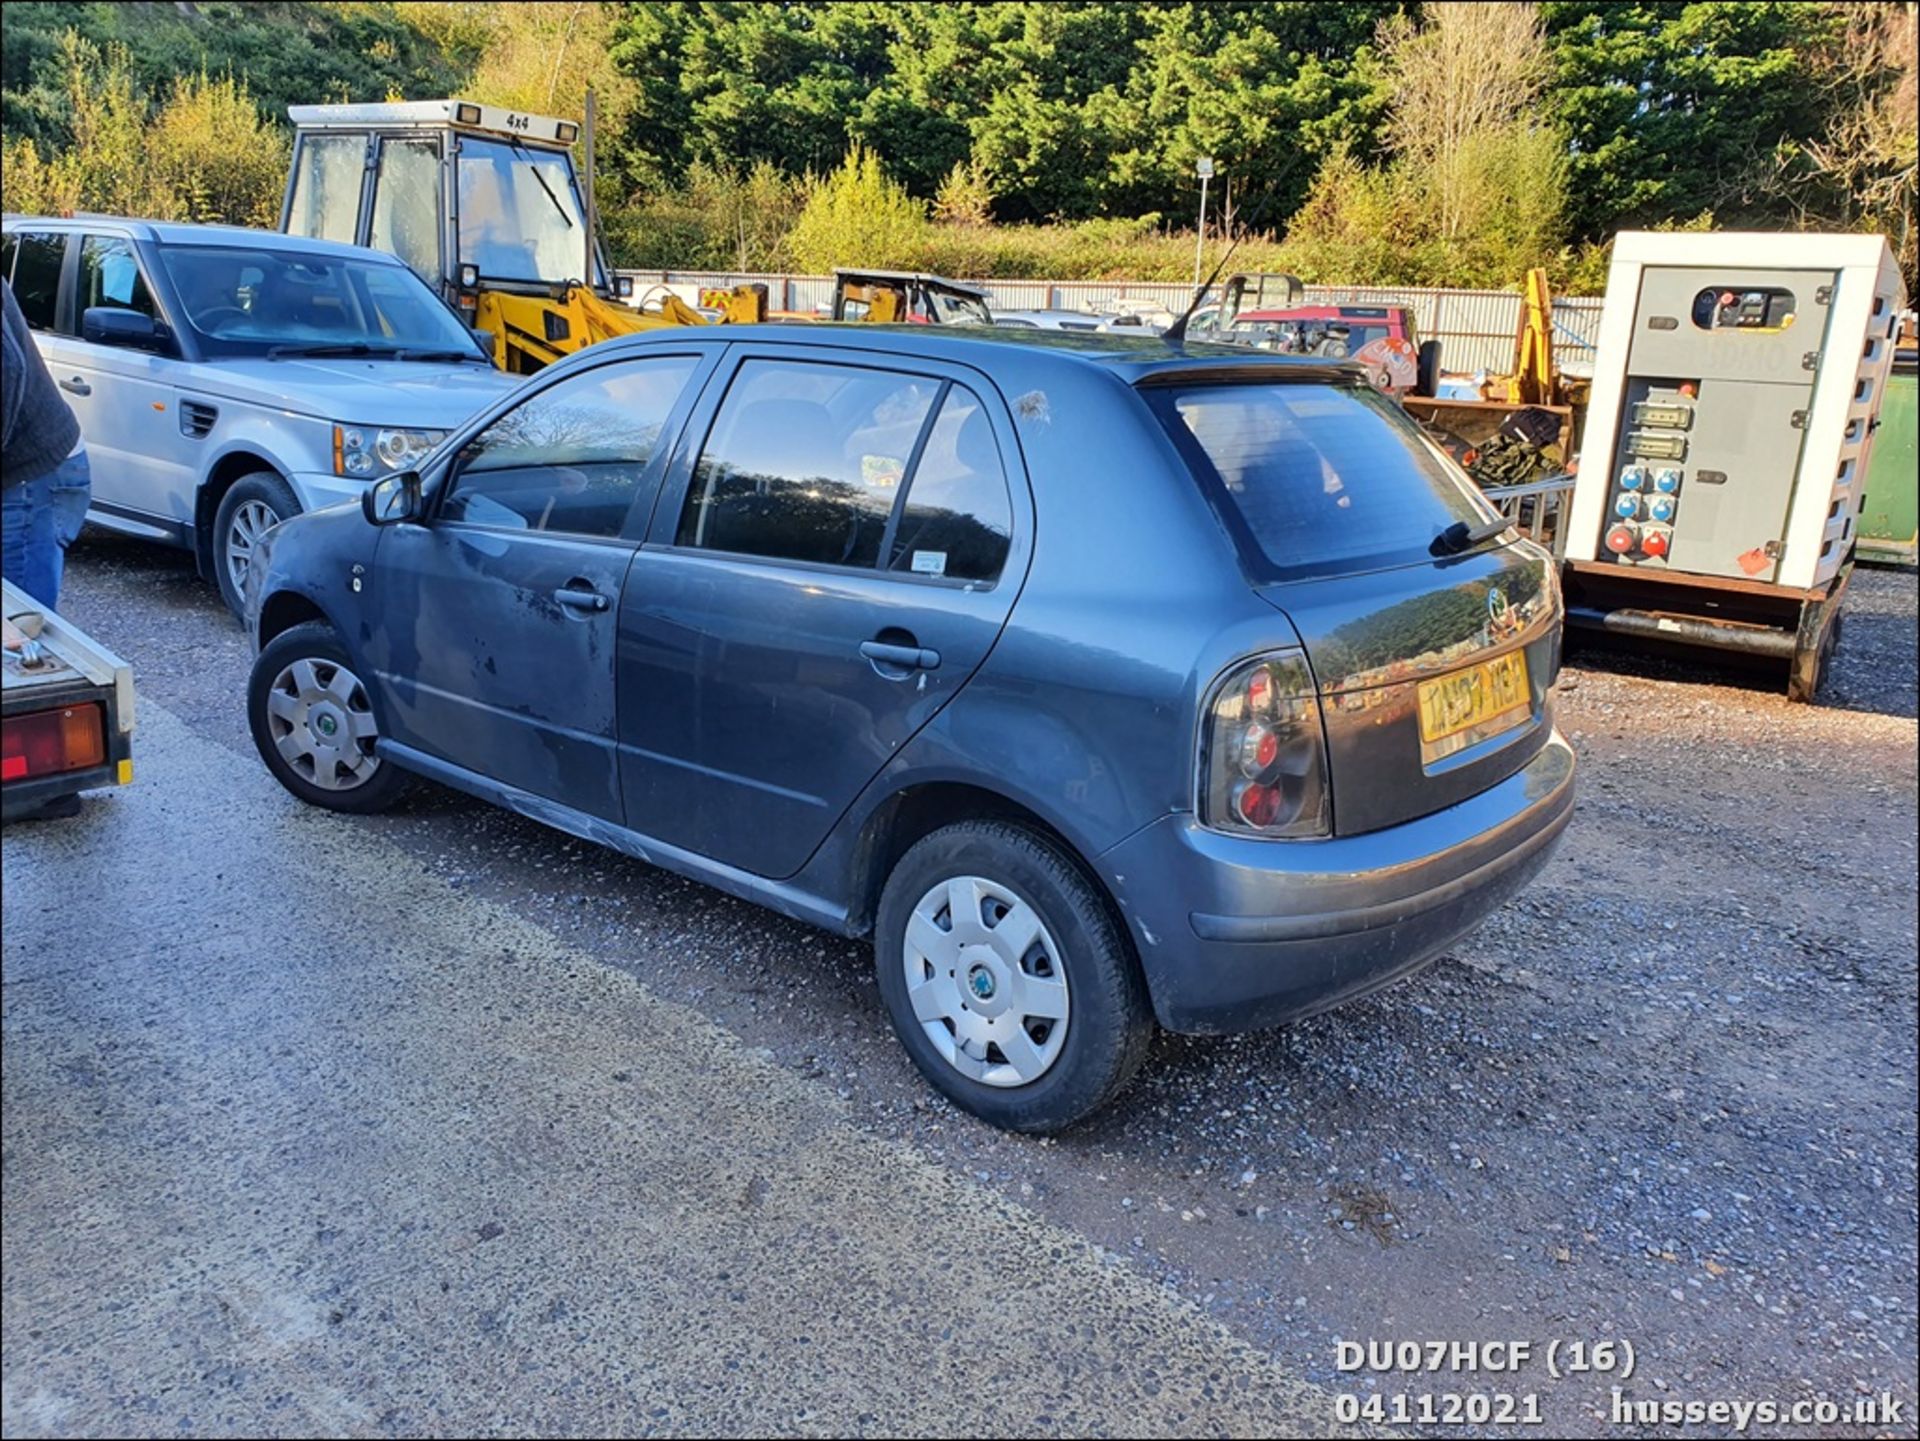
[[252, 505], [312, 720], [1079, 944]]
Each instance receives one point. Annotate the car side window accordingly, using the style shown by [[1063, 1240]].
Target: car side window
[[805, 461], [957, 520], [110, 276], [571, 459], [36, 276], [7, 246]]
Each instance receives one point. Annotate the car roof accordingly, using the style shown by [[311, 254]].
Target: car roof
[[1021, 355], [172, 232], [1059, 313]]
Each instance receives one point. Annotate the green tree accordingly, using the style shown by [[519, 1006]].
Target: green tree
[[965, 196], [1676, 108], [858, 215]]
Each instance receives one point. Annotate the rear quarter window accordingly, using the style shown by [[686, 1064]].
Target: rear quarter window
[[1318, 479], [36, 276]]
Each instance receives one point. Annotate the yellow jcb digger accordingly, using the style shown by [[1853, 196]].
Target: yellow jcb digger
[[485, 206]]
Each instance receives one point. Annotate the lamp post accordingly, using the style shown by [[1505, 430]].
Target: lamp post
[[1205, 171]]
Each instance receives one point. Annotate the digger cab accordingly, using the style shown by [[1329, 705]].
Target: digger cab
[[907, 295], [472, 197], [1276, 291]]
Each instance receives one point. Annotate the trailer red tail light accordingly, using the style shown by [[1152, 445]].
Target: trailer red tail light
[[1263, 766], [53, 742]]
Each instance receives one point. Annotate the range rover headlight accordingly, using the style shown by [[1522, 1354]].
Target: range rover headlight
[[366, 453]]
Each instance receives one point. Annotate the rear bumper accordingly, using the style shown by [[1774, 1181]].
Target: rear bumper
[[1236, 934]]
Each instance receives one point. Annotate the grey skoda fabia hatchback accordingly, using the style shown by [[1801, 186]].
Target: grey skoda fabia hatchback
[[1102, 683]]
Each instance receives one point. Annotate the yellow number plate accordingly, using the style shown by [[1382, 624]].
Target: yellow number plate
[[1468, 706]]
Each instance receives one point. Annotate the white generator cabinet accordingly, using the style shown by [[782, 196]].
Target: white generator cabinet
[[1723, 466]]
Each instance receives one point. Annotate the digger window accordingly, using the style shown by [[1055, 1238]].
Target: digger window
[[406, 205], [520, 215], [326, 187]]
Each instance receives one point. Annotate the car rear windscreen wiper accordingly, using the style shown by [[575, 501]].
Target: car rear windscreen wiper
[[1460, 536], [285, 352]]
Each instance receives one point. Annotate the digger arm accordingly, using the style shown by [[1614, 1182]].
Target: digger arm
[[1532, 381], [532, 331]]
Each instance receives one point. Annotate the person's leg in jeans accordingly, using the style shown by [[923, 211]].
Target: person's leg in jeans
[[29, 528], [72, 493]]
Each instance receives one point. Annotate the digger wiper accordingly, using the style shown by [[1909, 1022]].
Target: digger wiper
[[521, 151]]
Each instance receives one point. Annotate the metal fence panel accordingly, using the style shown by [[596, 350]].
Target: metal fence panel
[[1475, 328]]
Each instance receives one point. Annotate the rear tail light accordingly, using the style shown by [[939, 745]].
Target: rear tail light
[[51, 742], [1263, 762]]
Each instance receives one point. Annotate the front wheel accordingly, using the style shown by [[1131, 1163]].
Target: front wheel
[[313, 723], [252, 506], [1007, 977]]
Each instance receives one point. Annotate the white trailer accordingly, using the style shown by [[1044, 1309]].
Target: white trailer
[[1735, 395], [66, 712]]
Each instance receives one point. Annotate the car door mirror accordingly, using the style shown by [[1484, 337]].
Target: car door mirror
[[110, 325], [390, 501], [485, 340]]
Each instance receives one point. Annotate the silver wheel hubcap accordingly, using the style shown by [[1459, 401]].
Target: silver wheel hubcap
[[253, 519], [985, 981], [322, 724]]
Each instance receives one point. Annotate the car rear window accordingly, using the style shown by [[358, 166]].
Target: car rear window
[[1322, 479]]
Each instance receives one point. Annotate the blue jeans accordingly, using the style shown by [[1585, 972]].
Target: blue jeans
[[38, 521]]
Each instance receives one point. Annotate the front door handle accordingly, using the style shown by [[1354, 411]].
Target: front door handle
[[580, 598], [76, 385], [906, 657]]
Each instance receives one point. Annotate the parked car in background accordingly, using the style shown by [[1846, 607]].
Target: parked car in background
[[1137, 317], [226, 379], [1046, 320], [1383, 338], [1100, 683]]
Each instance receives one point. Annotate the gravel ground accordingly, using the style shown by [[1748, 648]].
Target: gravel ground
[[1667, 1096]]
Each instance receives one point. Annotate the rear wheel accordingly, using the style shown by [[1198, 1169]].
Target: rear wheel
[[1008, 979], [252, 506], [313, 723]]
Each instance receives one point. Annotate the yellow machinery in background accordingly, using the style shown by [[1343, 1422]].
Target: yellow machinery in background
[[483, 204], [1524, 423], [883, 297], [1536, 379]]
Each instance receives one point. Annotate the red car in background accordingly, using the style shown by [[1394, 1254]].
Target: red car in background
[[1383, 338]]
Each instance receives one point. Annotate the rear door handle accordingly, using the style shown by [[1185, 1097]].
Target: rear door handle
[[907, 657], [577, 598], [77, 386]]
